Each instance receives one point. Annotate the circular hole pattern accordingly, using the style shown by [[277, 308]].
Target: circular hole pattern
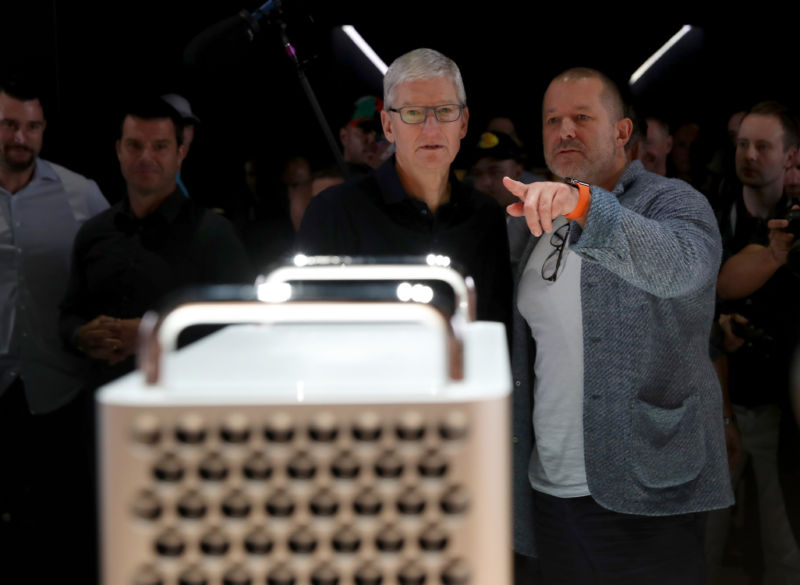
[[368, 575], [345, 466], [146, 505], [258, 541], [367, 427], [324, 503], [346, 540], [389, 465], [193, 576], [411, 574], [367, 502], [148, 575], [237, 575], [433, 464], [215, 542], [389, 539], [213, 467], [433, 539], [279, 428], [410, 426], [192, 505], [455, 425], [236, 505], [146, 430], [281, 575], [280, 504], [169, 467], [324, 575], [322, 428], [456, 573], [257, 466], [302, 541], [302, 466], [235, 429], [455, 500], [191, 429], [411, 502], [170, 543]]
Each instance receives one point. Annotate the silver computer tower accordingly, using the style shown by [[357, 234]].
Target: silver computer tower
[[324, 443]]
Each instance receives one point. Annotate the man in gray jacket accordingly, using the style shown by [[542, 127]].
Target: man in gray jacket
[[615, 301]]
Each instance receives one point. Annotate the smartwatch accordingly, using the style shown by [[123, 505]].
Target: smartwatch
[[583, 197]]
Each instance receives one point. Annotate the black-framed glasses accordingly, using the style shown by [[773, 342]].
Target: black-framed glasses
[[552, 263], [418, 114]]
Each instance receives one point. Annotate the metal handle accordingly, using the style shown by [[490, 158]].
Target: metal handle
[[463, 287], [159, 333]]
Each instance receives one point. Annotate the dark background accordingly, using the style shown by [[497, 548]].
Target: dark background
[[89, 59]]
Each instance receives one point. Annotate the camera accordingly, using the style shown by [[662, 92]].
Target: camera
[[756, 339], [793, 257], [793, 217]]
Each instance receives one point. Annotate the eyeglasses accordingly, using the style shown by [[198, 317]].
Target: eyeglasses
[[418, 114], [552, 263]]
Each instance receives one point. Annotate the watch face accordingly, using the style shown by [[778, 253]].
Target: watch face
[[575, 182]]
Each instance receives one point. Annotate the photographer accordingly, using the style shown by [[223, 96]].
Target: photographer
[[760, 306]]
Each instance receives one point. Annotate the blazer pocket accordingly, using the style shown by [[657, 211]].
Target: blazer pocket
[[668, 446]]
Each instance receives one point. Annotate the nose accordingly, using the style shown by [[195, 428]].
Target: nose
[[567, 128], [752, 152], [430, 123], [148, 152], [19, 135]]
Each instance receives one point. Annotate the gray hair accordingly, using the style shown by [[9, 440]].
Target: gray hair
[[418, 65]]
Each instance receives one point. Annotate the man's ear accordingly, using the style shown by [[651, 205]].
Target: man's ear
[[789, 157], [181, 154], [624, 131], [464, 122], [386, 122]]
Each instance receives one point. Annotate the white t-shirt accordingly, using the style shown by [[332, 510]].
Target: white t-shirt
[[553, 312]]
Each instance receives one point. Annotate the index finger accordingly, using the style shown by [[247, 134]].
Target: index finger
[[515, 187]]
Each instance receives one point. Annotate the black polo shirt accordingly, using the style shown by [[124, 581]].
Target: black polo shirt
[[122, 265], [374, 216]]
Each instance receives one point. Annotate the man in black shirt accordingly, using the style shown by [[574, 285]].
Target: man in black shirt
[[151, 243], [413, 204], [760, 319]]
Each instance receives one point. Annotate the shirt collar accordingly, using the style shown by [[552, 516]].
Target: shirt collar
[[168, 210], [632, 171], [43, 172], [392, 189], [389, 182]]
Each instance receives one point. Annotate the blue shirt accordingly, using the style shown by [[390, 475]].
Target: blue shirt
[[37, 226]]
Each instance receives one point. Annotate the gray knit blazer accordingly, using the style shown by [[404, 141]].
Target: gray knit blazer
[[653, 431]]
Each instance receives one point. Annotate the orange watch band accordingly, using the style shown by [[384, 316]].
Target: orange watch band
[[583, 198]]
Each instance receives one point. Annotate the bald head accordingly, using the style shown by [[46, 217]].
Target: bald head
[[611, 98]]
